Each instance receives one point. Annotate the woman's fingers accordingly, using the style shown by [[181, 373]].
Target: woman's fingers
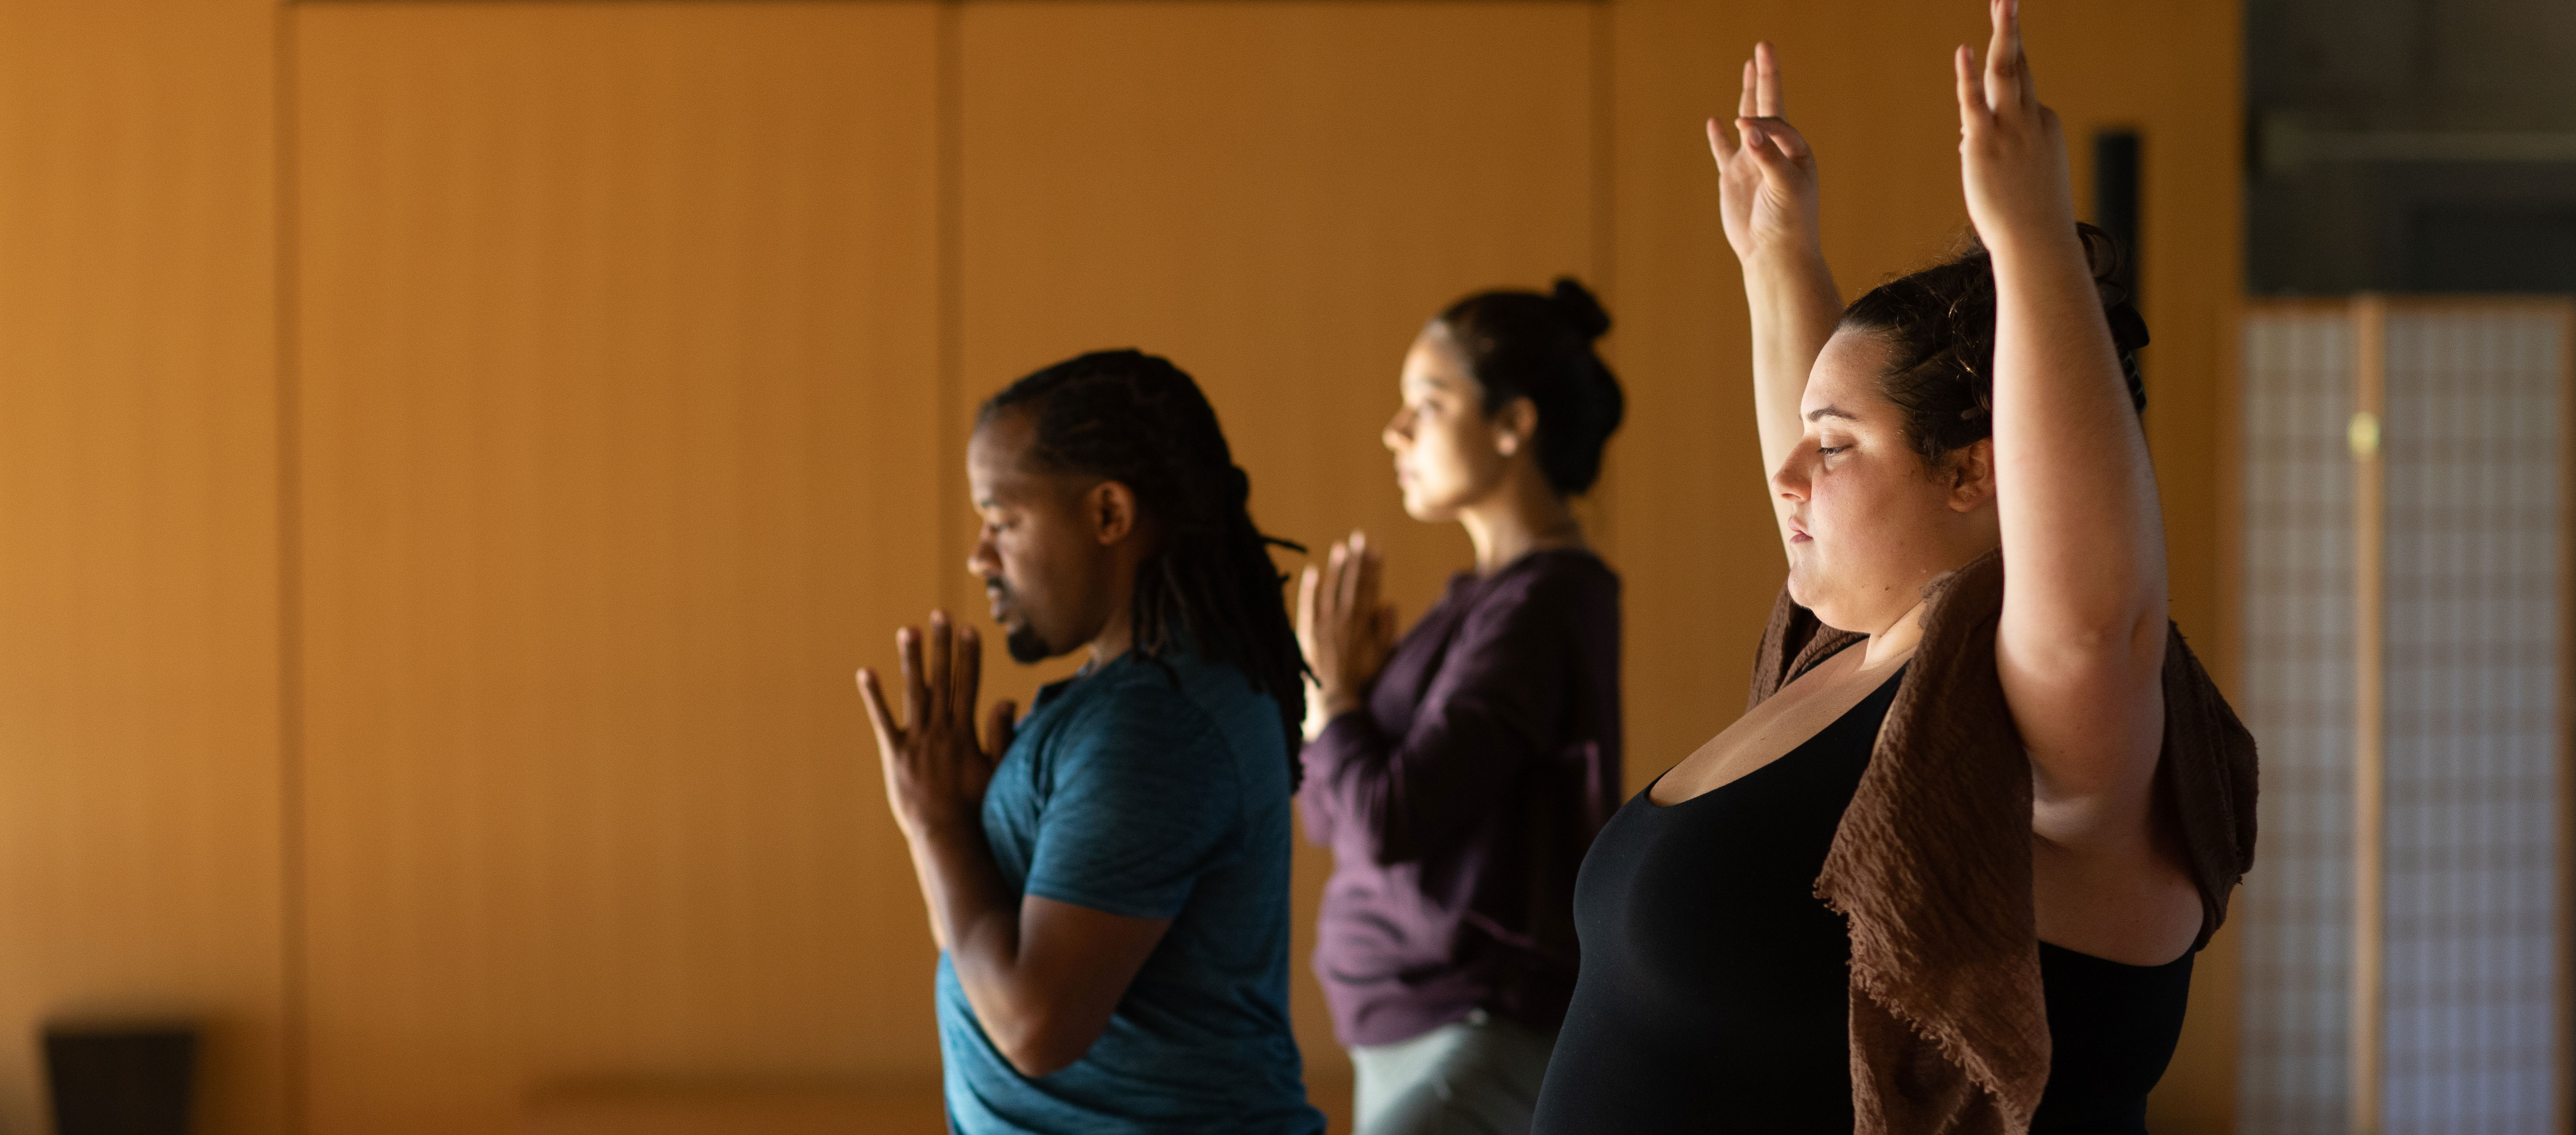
[[1328, 596], [1306, 586], [1781, 140], [1973, 111], [1778, 151], [1334, 604], [1758, 141], [1372, 567], [1766, 82], [1747, 103], [1718, 145], [2007, 76], [2028, 85], [1347, 598]]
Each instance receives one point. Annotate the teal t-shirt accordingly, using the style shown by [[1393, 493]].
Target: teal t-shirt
[[1150, 789]]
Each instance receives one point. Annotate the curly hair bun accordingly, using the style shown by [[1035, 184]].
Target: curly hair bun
[[1526, 345], [1580, 308], [1939, 325]]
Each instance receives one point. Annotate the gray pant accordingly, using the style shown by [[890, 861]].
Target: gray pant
[[1477, 1077]]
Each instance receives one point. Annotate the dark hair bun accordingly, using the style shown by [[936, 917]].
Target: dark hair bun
[[1539, 347], [1577, 304], [1939, 325], [2107, 258]]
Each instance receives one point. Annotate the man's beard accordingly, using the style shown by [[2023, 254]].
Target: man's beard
[[1022, 641], [1025, 645]]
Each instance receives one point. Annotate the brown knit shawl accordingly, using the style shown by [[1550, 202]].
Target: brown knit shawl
[[1949, 1028]]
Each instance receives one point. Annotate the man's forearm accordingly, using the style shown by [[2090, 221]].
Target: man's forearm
[[970, 913], [974, 917], [978, 922], [925, 874]]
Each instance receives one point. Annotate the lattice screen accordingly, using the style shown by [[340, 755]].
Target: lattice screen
[[2460, 983], [2297, 692], [2471, 446]]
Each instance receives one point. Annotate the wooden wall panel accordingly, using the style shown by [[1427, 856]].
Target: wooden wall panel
[[1868, 81], [620, 365], [627, 430], [139, 869], [1275, 196]]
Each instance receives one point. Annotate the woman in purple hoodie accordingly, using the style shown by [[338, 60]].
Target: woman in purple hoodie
[[1459, 773]]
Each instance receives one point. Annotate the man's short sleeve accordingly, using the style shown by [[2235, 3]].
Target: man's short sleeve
[[1145, 800]]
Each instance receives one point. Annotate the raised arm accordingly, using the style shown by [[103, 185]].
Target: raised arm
[[2080, 646], [1767, 195]]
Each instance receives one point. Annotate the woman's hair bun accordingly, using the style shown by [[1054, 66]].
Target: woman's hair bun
[[1939, 327], [1580, 308], [2107, 257], [1538, 346]]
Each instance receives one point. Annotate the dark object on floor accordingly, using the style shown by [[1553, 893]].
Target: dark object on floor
[[120, 1081]]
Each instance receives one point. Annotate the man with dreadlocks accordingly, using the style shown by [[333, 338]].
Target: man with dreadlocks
[[1108, 878]]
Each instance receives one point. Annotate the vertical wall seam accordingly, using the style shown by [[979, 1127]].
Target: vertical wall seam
[[290, 586], [947, 131], [1605, 234]]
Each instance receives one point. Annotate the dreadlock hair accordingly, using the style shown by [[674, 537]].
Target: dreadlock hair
[[1136, 419], [1939, 325]]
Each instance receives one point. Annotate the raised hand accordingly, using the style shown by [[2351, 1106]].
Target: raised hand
[[935, 771], [1767, 173], [2012, 152], [1767, 197], [1345, 631]]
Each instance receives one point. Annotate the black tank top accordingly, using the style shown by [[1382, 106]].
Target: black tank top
[[1713, 993]]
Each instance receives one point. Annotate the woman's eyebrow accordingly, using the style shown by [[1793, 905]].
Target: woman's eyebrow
[[1832, 412]]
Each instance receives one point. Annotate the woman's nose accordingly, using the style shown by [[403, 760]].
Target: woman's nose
[[1790, 479]]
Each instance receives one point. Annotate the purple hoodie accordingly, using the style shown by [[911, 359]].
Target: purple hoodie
[[1459, 803]]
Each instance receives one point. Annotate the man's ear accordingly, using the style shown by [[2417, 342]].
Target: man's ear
[[1515, 426], [1110, 506], [1972, 475]]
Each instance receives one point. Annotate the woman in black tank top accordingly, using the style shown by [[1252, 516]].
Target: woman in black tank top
[[1713, 987], [1712, 990], [1983, 406]]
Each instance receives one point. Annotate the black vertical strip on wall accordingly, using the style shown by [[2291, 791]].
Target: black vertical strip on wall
[[2115, 195]]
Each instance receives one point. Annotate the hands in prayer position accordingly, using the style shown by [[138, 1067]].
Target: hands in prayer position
[[1043, 976], [1344, 629], [935, 771]]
